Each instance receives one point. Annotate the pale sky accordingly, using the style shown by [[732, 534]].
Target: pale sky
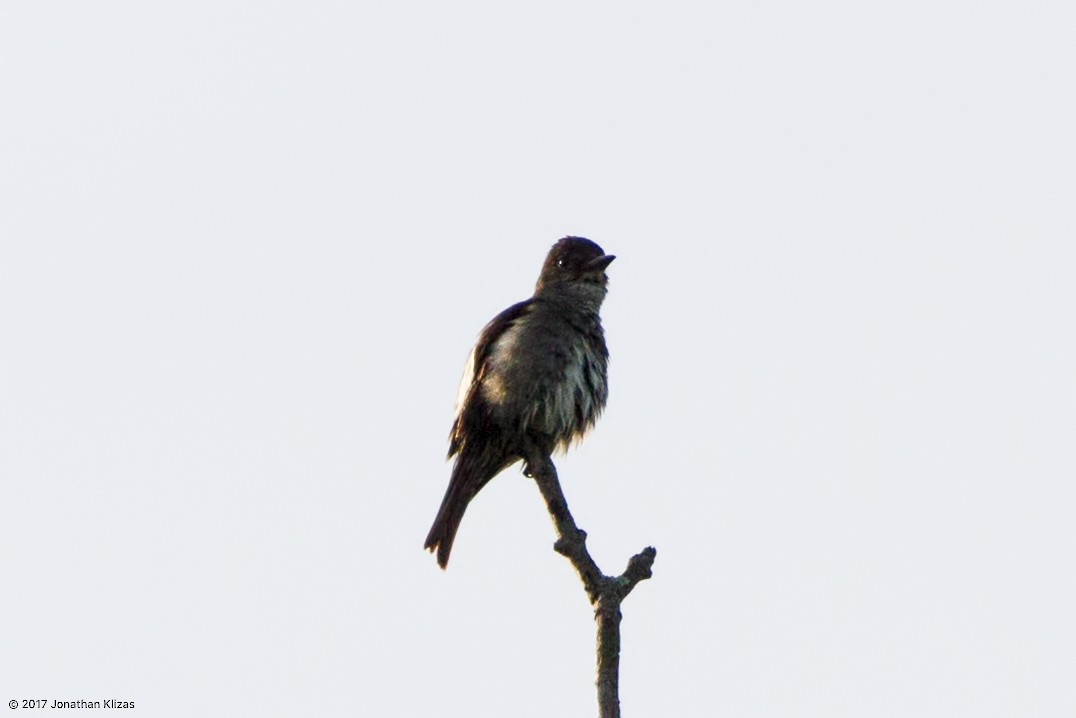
[[246, 247]]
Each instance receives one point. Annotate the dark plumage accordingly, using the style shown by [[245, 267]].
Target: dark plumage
[[536, 379]]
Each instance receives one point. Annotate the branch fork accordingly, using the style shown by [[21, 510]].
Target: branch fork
[[605, 592]]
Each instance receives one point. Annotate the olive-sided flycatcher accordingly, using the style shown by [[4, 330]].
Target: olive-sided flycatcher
[[535, 380]]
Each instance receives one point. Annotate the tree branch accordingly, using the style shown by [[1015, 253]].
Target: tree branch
[[605, 592]]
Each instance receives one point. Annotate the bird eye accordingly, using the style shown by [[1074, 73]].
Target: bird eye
[[561, 263]]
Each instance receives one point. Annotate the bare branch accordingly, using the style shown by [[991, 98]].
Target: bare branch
[[605, 592]]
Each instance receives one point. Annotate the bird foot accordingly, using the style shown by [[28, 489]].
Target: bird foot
[[535, 466], [534, 458]]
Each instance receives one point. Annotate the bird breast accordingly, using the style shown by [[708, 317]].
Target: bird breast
[[548, 377]]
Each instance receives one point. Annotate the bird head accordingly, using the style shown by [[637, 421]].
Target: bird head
[[574, 262]]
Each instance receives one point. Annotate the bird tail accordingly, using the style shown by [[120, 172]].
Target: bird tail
[[473, 469]]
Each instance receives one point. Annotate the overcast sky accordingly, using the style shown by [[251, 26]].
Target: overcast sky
[[246, 247]]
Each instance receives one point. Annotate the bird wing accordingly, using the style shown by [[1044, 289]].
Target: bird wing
[[475, 367]]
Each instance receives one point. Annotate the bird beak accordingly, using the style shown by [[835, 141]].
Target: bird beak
[[598, 264]]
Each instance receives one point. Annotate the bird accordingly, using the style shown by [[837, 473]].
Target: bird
[[536, 380]]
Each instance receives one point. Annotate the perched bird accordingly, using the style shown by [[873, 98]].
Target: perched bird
[[535, 380]]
